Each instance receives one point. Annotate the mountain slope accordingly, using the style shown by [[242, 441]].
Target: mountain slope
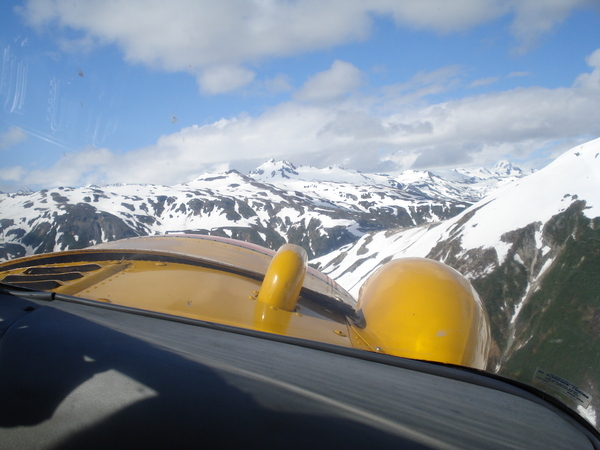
[[321, 216], [467, 185], [532, 251]]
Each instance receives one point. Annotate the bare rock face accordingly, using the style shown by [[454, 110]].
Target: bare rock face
[[558, 319], [545, 287]]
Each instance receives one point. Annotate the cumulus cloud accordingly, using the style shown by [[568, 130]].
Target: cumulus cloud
[[225, 37], [342, 78], [593, 60], [12, 137], [441, 15], [88, 166], [216, 80], [206, 38], [534, 18], [420, 86], [513, 123], [279, 83], [484, 81], [590, 81], [12, 173], [359, 132]]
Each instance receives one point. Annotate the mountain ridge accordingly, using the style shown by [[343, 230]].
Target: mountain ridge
[[531, 249], [320, 209], [317, 208]]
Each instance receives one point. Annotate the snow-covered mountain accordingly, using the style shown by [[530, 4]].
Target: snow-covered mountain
[[320, 209], [533, 199], [285, 173], [468, 185], [529, 243], [500, 169], [532, 250]]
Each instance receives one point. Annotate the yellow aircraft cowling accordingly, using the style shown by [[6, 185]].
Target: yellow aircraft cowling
[[284, 278], [413, 308], [422, 309], [280, 289]]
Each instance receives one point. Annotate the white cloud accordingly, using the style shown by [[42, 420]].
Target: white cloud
[[594, 59], [12, 173], [74, 169], [12, 137], [442, 15], [484, 81], [342, 78], [421, 85], [590, 81], [369, 133], [205, 38], [279, 83], [533, 18], [216, 80]]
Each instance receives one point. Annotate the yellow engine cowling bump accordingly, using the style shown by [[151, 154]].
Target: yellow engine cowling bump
[[422, 309], [284, 278]]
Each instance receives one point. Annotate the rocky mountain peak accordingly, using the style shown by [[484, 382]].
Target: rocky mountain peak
[[506, 168], [274, 169]]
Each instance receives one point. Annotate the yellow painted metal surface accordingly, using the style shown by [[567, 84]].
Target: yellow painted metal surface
[[89, 280], [422, 309], [209, 295], [225, 251], [412, 308], [234, 253], [190, 289], [284, 278]]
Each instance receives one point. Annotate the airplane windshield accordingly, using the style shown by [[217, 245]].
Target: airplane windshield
[[360, 131]]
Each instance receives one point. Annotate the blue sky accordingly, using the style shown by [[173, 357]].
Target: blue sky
[[160, 92]]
